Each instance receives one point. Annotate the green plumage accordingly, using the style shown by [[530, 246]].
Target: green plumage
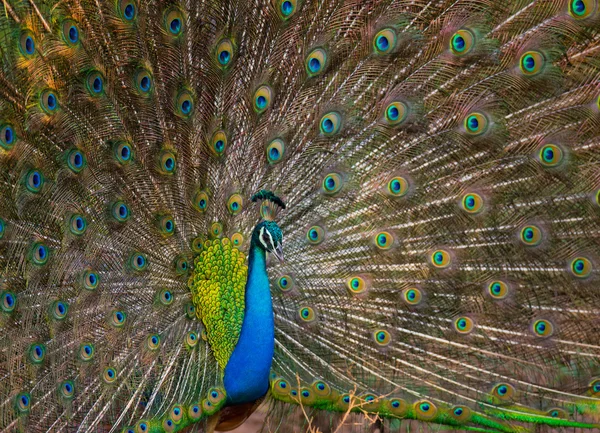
[[439, 163]]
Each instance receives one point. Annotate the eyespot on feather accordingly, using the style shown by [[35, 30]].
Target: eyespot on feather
[[262, 99], [218, 142], [330, 123], [462, 42], [425, 410], [275, 151], [94, 83], [49, 101], [76, 160], [532, 63], [581, 267], [286, 8], [174, 22], [315, 62], [412, 296], [27, 43], [582, 9], [385, 41], [476, 124], [70, 32], [441, 259], [332, 183], [224, 53]]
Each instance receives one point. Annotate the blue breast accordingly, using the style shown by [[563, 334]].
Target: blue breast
[[247, 372]]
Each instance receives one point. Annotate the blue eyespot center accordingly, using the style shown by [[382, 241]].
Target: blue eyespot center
[[314, 234], [579, 7], [458, 411], [548, 154], [145, 84], [220, 145], [175, 26], [328, 125], [529, 62], [411, 295], [122, 211], [261, 102], [125, 152], [51, 101], [8, 135], [224, 57], [29, 45], [129, 12], [425, 407], [36, 179], [314, 65], [381, 336], [87, 350], [274, 153], [473, 123], [41, 251], [393, 113], [97, 85], [25, 400], [154, 340], [459, 43], [383, 43], [186, 106], [287, 8], [382, 239], [8, 298], [502, 390], [73, 34], [139, 261], [305, 394]]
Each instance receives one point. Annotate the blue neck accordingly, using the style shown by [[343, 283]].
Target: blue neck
[[247, 372]]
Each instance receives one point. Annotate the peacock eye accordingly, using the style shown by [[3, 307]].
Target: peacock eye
[[461, 42], [315, 62], [532, 63], [262, 98], [224, 53], [396, 113], [385, 41]]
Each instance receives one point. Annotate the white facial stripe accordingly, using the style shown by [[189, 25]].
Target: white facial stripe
[[260, 237]]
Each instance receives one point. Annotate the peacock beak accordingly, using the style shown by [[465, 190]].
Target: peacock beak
[[278, 251]]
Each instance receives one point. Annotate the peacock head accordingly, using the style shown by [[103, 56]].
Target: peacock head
[[267, 235]]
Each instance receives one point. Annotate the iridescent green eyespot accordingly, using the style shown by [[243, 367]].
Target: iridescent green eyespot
[[76, 160], [581, 267], [285, 283], [275, 150], [382, 337], [356, 285], [94, 83], [385, 41], [218, 142], [543, 328], [550, 155], [286, 8], [476, 124], [316, 62], [472, 203], [384, 240], [174, 22], [167, 162], [396, 113], [235, 204], [224, 53], [8, 137], [77, 224], [306, 314], [463, 325], [531, 235], [315, 235], [581, 9], [462, 42], [441, 259], [184, 104], [425, 410], [262, 98], [412, 296], [498, 289], [397, 186], [330, 123], [332, 183], [532, 63]]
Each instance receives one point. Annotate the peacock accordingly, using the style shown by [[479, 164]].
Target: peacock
[[382, 213]]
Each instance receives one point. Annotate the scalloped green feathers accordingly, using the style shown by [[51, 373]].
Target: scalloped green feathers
[[217, 286]]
